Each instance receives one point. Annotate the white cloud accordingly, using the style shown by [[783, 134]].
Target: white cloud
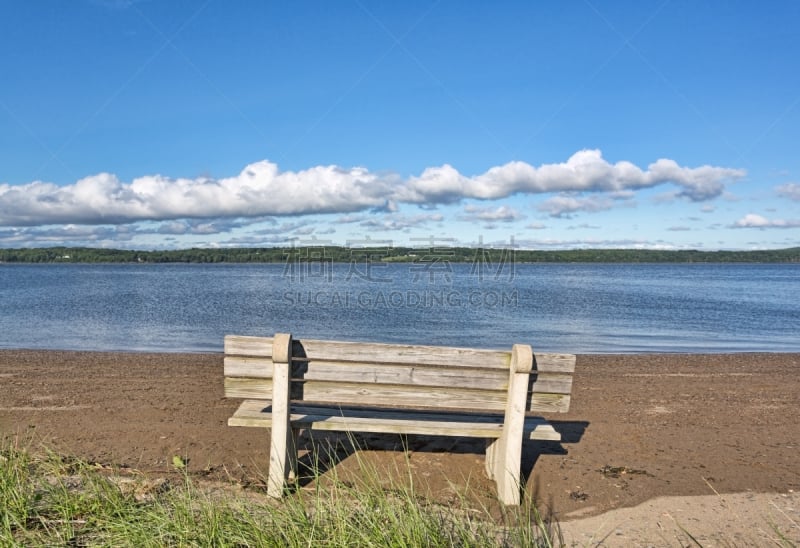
[[66, 235], [536, 226], [194, 226], [284, 228], [491, 214], [595, 243], [789, 190], [752, 220], [240, 241], [564, 205], [585, 170], [261, 190], [344, 219], [396, 221]]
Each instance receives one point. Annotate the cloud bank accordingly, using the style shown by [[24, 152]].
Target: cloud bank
[[261, 189], [585, 171], [753, 220]]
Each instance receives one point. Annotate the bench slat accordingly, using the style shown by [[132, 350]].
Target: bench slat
[[256, 413], [261, 368], [245, 366], [401, 374], [243, 345], [373, 352], [550, 362], [239, 345], [415, 397], [237, 366], [404, 354]]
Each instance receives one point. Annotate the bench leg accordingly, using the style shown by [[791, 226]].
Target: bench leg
[[291, 463], [280, 459], [506, 452], [503, 463], [492, 449], [282, 471], [507, 462], [282, 451]]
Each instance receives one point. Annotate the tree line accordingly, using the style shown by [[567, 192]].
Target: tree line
[[345, 254]]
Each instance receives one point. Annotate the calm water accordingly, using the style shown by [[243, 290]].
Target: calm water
[[579, 308]]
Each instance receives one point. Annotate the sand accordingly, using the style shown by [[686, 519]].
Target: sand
[[652, 441]]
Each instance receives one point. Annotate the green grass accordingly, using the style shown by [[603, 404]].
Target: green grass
[[47, 499]]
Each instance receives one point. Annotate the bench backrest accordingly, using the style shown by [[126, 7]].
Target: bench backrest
[[395, 375]]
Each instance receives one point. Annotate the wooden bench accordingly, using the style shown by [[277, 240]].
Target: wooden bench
[[291, 385]]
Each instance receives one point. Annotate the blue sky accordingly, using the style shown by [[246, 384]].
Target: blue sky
[[550, 125]]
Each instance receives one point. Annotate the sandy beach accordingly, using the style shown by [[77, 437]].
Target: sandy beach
[[653, 434]]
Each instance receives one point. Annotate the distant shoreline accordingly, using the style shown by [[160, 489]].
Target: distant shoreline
[[391, 254]]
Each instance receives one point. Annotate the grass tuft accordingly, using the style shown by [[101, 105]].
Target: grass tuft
[[49, 499]]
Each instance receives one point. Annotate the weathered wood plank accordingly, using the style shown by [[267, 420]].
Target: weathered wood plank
[[407, 375], [507, 454], [411, 375], [402, 354], [553, 383], [244, 366], [413, 397], [370, 394], [282, 454], [492, 448], [242, 345], [397, 353], [257, 413], [301, 409], [248, 388], [549, 403], [554, 363]]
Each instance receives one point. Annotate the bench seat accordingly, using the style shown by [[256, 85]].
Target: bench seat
[[258, 413]]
